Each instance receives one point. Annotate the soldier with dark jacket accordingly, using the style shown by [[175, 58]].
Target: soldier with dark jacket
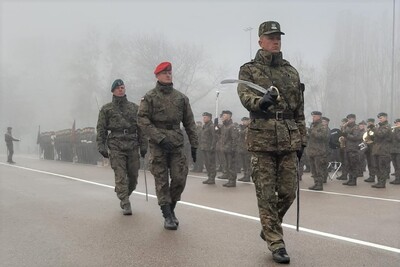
[[368, 151], [277, 133], [317, 149], [10, 145], [353, 137], [118, 131], [229, 138], [161, 112], [243, 153], [395, 151], [207, 143], [381, 150]]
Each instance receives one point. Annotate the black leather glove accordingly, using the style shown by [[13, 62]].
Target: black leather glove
[[104, 153], [267, 101], [166, 145], [300, 153], [194, 154], [143, 152]]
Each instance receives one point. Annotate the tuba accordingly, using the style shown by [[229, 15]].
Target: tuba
[[368, 139]]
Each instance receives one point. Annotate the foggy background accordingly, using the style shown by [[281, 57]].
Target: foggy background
[[59, 58]]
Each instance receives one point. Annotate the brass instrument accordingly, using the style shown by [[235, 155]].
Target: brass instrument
[[342, 142], [368, 139], [395, 127]]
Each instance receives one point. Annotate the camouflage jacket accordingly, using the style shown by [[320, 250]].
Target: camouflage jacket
[[382, 139], [229, 136], [395, 140], [242, 147], [9, 139], [208, 137], [117, 126], [161, 111], [272, 134], [318, 139], [353, 137]]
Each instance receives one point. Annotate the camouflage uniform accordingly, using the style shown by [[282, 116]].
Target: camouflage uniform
[[381, 152], [395, 153], [317, 149], [117, 130], [10, 145], [273, 138], [353, 137], [243, 154], [229, 139], [208, 139], [161, 111], [368, 154]]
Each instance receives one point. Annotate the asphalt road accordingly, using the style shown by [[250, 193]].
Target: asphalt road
[[63, 214]]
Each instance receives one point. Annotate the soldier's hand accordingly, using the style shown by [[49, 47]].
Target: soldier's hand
[[166, 145], [143, 152], [194, 154], [104, 153], [267, 100]]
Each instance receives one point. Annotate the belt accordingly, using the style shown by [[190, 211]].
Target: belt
[[124, 132], [279, 115], [167, 126]]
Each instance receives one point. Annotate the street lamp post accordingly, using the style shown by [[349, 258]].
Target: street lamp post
[[392, 78], [248, 29]]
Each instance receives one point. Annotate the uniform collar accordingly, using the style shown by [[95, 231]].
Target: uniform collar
[[268, 58]]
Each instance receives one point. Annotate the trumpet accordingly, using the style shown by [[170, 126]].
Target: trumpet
[[342, 142]]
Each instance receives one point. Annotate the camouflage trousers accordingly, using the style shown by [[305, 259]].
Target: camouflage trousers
[[274, 176], [396, 163], [209, 161], [229, 168], [318, 168], [245, 158], [370, 162], [126, 166], [354, 166], [163, 165], [10, 151], [382, 168]]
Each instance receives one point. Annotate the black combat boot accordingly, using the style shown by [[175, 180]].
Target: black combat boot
[[244, 179], [352, 181], [317, 187], [173, 205], [380, 184], [280, 256], [223, 176], [209, 181], [395, 181], [126, 208], [262, 235], [230, 183], [370, 179], [169, 223]]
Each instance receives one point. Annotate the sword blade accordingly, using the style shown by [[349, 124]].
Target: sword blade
[[249, 84]]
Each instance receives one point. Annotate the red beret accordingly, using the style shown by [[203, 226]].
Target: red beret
[[163, 66]]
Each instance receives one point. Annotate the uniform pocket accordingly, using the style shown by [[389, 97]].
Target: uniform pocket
[[294, 134], [261, 135]]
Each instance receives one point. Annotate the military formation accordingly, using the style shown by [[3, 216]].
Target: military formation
[[273, 146]]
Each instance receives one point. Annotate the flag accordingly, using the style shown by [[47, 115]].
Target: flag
[[38, 136]]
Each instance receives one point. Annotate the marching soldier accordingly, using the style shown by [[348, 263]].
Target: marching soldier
[[277, 134], [208, 140], [243, 153], [161, 111], [395, 151], [10, 145], [362, 126], [119, 138], [317, 150], [342, 152], [229, 138], [353, 137], [368, 151], [381, 150]]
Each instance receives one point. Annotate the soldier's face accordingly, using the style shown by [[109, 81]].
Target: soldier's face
[[165, 77], [382, 119], [325, 122], [206, 119], [119, 90], [226, 117], [270, 42], [316, 117]]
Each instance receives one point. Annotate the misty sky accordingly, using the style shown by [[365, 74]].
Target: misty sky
[[217, 26]]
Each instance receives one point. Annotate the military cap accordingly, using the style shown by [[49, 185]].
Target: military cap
[[351, 116], [227, 112], [380, 114], [316, 113], [269, 27], [326, 119], [116, 83], [163, 66], [9, 128], [362, 123], [245, 119], [397, 120], [371, 120], [207, 114]]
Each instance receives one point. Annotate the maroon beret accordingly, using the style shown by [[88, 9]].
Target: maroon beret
[[163, 66]]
